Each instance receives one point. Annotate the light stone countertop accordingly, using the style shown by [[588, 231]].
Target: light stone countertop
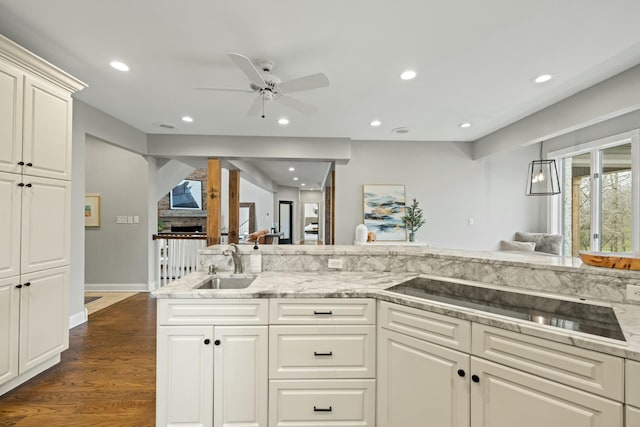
[[345, 284]]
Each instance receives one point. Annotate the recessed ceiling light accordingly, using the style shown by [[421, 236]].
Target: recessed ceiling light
[[187, 119], [291, 169], [543, 78], [295, 178], [120, 66], [303, 184], [465, 125], [375, 123], [283, 121], [408, 75]]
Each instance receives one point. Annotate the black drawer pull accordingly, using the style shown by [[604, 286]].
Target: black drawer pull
[[475, 378], [461, 372], [27, 284], [322, 409], [20, 184], [207, 341], [29, 164], [322, 312], [315, 353], [18, 286], [28, 185], [20, 163]]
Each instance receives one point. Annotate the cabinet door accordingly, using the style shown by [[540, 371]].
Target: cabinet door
[[419, 384], [11, 196], [44, 316], [9, 317], [505, 397], [240, 394], [184, 381], [47, 130], [11, 83], [45, 224]]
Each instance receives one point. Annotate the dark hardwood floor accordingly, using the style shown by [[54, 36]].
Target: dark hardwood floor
[[106, 378]]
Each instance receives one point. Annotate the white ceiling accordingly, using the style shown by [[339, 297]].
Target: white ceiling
[[475, 59]]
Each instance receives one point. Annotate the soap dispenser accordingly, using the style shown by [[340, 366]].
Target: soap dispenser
[[255, 259]]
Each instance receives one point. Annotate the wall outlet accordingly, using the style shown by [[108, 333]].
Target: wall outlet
[[336, 263], [633, 293], [121, 219]]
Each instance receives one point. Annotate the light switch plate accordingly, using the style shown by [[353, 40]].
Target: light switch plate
[[336, 263], [130, 219], [136, 219], [633, 293], [121, 219]]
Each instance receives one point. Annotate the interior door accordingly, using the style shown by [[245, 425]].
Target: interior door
[[285, 222]]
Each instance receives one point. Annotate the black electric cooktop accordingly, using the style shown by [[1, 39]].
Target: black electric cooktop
[[574, 316]]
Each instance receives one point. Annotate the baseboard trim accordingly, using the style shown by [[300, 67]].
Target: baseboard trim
[[116, 287], [78, 318], [153, 286]]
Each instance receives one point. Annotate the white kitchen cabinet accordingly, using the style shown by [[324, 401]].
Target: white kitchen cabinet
[[10, 220], [34, 321], [240, 376], [45, 224], [35, 173], [505, 397], [632, 394], [9, 328], [417, 378], [420, 383], [11, 101], [35, 125], [212, 374], [184, 376]]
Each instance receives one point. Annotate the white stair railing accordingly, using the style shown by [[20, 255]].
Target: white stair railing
[[177, 255]]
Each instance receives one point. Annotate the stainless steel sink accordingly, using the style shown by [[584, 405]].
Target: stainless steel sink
[[236, 281]]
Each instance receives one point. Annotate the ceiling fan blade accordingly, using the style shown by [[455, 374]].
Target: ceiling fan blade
[[312, 81], [256, 107], [247, 67], [296, 104], [224, 89]]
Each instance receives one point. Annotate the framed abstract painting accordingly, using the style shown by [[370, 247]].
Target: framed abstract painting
[[384, 207]]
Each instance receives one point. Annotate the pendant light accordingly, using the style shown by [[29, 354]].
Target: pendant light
[[542, 179]]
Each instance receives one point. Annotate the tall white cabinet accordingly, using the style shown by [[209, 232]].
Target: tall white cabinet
[[35, 174]]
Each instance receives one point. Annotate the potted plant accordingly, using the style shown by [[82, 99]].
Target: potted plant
[[413, 219]]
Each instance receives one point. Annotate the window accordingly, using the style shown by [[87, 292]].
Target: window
[[598, 208]]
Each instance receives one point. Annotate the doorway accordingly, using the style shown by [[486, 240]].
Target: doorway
[[285, 222]]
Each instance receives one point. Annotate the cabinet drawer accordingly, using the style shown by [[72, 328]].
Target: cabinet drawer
[[633, 383], [213, 312], [587, 370], [325, 351], [633, 417], [433, 327], [305, 311], [322, 403]]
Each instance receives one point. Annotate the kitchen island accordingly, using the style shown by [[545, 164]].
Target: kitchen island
[[377, 346]]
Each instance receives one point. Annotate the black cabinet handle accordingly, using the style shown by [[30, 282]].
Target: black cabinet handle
[[29, 164], [475, 378], [18, 286], [20, 163], [322, 409], [28, 185], [28, 284], [207, 341], [20, 184], [315, 353], [217, 342], [322, 312], [461, 372]]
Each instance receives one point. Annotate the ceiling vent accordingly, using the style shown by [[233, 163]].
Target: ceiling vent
[[400, 130]]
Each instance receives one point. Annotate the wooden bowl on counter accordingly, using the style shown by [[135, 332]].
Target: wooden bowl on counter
[[620, 260]]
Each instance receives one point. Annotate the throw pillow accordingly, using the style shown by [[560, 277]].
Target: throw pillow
[[509, 245], [549, 243]]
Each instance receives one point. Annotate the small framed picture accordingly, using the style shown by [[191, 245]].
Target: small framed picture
[[187, 195], [92, 210]]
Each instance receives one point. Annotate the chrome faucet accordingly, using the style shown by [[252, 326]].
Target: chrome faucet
[[235, 256]]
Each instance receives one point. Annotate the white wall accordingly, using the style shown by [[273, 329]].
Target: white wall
[[249, 193], [116, 255], [450, 187]]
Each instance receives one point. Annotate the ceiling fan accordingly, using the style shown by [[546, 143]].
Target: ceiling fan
[[270, 88]]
